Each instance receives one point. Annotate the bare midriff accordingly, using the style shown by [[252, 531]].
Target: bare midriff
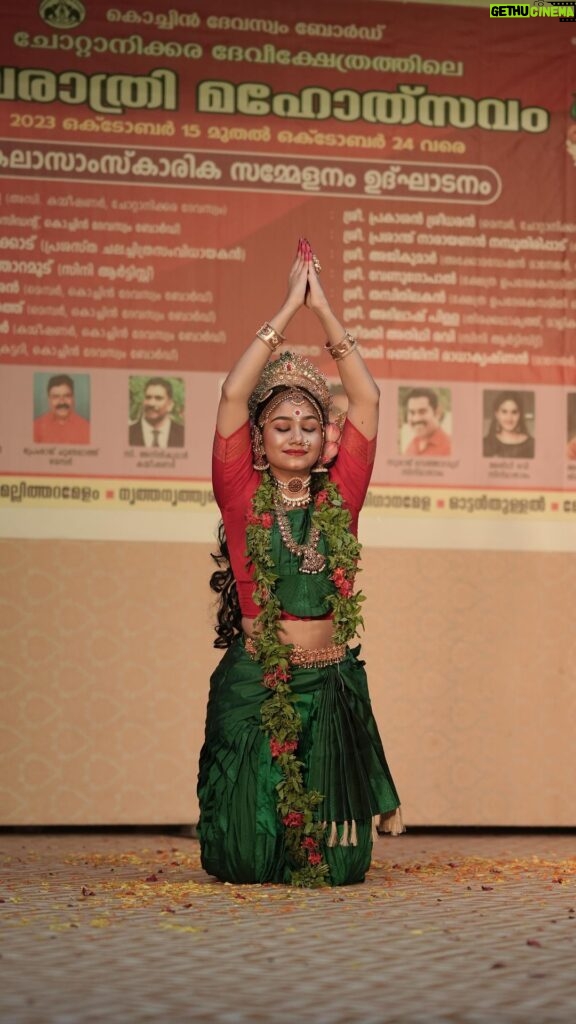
[[310, 634]]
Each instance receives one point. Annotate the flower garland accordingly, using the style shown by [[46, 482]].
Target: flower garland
[[279, 717]]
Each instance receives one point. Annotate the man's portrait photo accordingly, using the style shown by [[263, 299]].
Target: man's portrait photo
[[423, 413], [61, 408], [156, 412]]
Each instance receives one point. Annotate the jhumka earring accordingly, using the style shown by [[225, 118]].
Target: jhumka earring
[[260, 461]]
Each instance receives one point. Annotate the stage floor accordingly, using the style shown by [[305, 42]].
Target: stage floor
[[460, 928]]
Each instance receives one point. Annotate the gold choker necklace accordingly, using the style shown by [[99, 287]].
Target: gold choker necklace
[[295, 485]]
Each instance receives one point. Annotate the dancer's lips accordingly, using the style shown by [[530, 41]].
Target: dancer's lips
[[294, 451]]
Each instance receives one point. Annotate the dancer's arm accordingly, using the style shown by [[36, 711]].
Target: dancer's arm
[[361, 389], [244, 375]]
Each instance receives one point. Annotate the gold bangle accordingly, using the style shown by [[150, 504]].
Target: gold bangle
[[270, 336], [343, 348]]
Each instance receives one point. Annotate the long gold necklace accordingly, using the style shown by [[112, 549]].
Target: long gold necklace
[[311, 560]]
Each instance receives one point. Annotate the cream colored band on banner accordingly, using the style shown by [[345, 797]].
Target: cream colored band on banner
[[197, 497]]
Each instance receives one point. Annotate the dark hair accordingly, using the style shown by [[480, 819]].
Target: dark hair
[[58, 381], [229, 614], [160, 382], [423, 393], [499, 399]]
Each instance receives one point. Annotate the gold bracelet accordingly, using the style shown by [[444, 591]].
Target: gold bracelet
[[271, 337], [343, 348]]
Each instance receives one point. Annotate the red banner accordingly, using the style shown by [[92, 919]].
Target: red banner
[[157, 169]]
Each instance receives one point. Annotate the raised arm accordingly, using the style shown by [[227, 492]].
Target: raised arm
[[244, 375], [361, 389]]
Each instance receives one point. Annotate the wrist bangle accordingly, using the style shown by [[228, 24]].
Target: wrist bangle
[[343, 348], [270, 336]]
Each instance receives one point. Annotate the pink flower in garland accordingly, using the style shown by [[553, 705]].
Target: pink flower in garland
[[294, 819], [309, 844], [277, 748], [266, 519], [344, 586], [314, 858], [321, 499], [275, 676]]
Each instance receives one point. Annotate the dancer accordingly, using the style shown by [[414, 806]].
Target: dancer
[[292, 771]]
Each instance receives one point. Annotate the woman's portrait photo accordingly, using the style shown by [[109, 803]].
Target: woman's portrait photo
[[508, 417]]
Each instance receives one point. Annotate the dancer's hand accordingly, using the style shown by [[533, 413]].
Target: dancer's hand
[[315, 296], [297, 280]]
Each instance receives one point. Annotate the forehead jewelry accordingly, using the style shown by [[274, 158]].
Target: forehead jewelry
[[291, 371], [296, 398]]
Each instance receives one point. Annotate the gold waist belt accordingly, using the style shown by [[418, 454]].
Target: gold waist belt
[[302, 657]]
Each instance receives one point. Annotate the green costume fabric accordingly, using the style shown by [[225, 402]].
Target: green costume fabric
[[299, 593], [240, 829]]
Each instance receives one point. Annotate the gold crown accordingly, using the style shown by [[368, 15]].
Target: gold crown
[[291, 371]]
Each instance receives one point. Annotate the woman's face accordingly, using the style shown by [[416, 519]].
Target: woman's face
[[508, 416], [293, 439]]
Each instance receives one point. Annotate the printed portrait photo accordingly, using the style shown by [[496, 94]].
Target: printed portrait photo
[[156, 412], [508, 424], [61, 408], [424, 421]]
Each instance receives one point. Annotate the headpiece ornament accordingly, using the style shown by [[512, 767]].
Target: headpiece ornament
[[291, 371]]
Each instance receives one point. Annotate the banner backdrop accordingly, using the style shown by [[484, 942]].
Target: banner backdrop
[[157, 168]]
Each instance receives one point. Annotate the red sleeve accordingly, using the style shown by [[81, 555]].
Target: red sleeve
[[232, 471], [353, 467]]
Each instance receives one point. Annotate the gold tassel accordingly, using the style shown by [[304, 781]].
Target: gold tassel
[[391, 823], [344, 837], [353, 834], [333, 837]]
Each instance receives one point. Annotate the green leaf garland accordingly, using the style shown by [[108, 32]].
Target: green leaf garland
[[279, 718]]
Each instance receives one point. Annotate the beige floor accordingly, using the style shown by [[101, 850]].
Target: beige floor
[[448, 928]]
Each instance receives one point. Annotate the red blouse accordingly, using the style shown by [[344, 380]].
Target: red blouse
[[234, 481]]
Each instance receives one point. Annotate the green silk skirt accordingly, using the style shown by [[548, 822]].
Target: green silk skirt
[[241, 833]]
